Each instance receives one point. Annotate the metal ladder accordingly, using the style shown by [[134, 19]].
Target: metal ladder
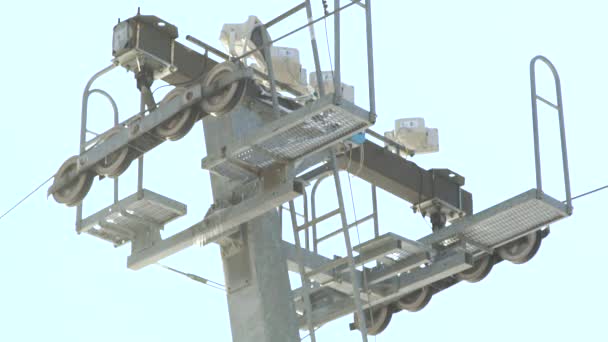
[[344, 229]]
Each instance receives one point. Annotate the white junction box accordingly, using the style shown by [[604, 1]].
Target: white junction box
[[348, 91], [415, 136]]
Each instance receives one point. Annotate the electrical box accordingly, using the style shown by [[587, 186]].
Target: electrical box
[[415, 136], [348, 91], [287, 68], [147, 43]]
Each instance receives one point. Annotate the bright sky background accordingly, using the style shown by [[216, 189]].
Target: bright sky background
[[462, 65]]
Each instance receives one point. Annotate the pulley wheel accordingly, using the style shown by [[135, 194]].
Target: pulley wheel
[[376, 320], [480, 269], [72, 193], [114, 164], [415, 301], [226, 99], [522, 249], [181, 123]]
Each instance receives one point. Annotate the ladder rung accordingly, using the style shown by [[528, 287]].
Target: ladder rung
[[319, 219], [542, 99], [338, 231]]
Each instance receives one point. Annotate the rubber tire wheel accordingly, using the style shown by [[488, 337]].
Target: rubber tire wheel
[[521, 250], [228, 98], [381, 317], [480, 269], [74, 192], [181, 123], [415, 301]]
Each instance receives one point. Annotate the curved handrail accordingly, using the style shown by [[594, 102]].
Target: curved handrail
[[83, 125], [560, 110], [313, 195], [112, 102]]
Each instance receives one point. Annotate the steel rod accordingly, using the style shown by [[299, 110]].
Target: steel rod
[[83, 124], [375, 208], [313, 195], [547, 102], [337, 64], [303, 278], [273, 85], [370, 58], [307, 229], [321, 218], [387, 140], [140, 160], [349, 252], [315, 49], [338, 231], [208, 47], [562, 126], [301, 28], [285, 15]]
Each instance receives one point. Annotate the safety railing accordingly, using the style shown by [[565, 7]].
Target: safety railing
[[562, 130]]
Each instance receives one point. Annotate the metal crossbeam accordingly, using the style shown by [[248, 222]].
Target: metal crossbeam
[[443, 267], [217, 225]]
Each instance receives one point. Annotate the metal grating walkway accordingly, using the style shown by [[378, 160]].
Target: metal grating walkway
[[291, 137], [503, 222], [121, 222]]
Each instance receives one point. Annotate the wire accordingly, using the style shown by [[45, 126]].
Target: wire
[[194, 277], [307, 335], [352, 199], [26, 197], [589, 192]]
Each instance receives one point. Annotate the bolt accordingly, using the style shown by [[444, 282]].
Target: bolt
[[134, 128]]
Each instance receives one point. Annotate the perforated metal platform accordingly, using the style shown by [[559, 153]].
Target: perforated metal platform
[[390, 247], [120, 222], [503, 222], [291, 137]]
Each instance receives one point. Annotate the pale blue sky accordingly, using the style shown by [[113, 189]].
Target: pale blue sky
[[462, 65]]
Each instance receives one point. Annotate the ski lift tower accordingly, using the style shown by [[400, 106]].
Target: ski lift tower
[[272, 138]]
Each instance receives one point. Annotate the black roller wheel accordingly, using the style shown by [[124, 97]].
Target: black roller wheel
[[415, 301], [114, 164], [480, 269], [376, 320], [522, 249], [73, 192]]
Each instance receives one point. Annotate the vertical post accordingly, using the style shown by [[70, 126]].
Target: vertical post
[[140, 160], [370, 59], [337, 67], [116, 119], [266, 43], [349, 252], [302, 271], [307, 230], [375, 208], [539, 182], [315, 50], [313, 197]]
